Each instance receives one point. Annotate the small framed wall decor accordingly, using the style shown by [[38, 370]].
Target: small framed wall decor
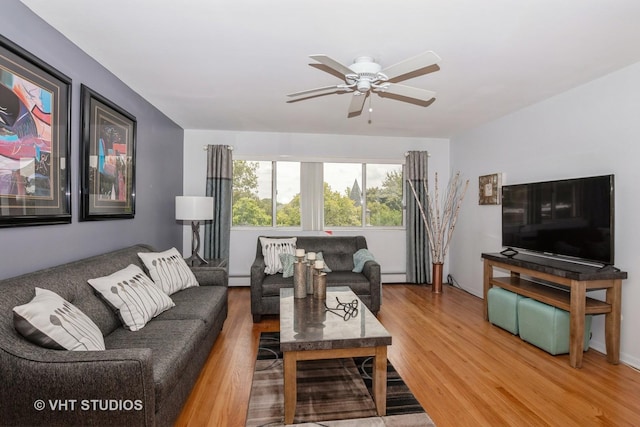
[[490, 189], [108, 188]]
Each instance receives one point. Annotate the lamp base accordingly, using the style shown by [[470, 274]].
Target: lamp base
[[195, 259]]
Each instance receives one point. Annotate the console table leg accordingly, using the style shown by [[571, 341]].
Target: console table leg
[[488, 275], [576, 323], [612, 322]]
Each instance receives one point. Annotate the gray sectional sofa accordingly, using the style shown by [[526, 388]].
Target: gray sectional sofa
[[155, 367], [338, 254]]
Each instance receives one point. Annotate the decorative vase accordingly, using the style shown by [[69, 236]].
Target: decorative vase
[[299, 278], [436, 277], [320, 286]]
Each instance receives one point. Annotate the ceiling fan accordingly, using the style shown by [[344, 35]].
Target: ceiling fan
[[365, 76]]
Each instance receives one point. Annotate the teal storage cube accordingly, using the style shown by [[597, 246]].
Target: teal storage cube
[[547, 327], [503, 308]]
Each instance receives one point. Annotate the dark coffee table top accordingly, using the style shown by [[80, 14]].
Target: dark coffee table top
[[310, 324]]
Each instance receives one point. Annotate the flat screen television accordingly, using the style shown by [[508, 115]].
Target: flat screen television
[[570, 218]]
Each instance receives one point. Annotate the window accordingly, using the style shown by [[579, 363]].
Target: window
[[384, 195], [252, 194], [288, 194], [343, 194], [268, 194], [253, 182]]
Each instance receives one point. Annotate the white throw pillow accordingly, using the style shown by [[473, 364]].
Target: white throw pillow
[[271, 250], [133, 295], [50, 321], [168, 270]]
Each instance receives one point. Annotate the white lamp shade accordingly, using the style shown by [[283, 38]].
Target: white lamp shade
[[194, 208]]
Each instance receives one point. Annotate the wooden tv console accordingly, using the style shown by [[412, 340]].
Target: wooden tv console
[[564, 285]]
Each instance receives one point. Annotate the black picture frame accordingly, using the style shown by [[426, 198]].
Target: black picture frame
[[35, 143], [108, 133]]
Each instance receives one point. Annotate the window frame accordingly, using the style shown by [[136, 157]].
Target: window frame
[[312, 211]]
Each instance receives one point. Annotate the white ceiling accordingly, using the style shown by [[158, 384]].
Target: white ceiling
[[228, 64]]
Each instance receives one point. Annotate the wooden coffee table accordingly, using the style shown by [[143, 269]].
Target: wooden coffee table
[[308, 331]]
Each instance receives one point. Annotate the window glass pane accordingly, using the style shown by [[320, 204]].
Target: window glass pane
[[288, 194], [342, 194], [252, 203], [384, 195]]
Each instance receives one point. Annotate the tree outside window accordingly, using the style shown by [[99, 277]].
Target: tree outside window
[[355, 194]]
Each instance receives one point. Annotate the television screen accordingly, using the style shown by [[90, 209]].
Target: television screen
[[570, 218]]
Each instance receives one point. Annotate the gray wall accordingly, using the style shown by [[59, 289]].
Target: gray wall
[[159, 161]]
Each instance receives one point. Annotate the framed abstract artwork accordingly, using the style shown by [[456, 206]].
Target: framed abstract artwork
[[490, 189], [108, 188], [35, 110]]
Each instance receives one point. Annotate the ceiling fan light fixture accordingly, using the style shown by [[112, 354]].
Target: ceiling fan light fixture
[[365, 77], [363, 86]]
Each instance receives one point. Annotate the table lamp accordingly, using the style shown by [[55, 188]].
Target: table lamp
[[194, 209]]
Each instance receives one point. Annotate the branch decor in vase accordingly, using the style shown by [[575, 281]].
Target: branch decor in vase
[[439, 216]]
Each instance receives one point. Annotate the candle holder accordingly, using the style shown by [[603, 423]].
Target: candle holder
[[299, 278], [320, 286], [318, 266], [309, 277]]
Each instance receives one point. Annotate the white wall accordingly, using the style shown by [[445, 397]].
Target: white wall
[[590, 130], [388, 246]]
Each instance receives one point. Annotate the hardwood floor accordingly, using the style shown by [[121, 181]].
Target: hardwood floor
[[463, 370]]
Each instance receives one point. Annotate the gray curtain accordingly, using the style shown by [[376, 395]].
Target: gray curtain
[[220, 186], [418, 253]]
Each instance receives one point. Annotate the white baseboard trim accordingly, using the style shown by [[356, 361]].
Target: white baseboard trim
[[386, 278]]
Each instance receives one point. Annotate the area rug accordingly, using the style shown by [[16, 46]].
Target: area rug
[[334, 392]]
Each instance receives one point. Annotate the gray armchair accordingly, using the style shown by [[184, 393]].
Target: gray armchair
[[338, 254]]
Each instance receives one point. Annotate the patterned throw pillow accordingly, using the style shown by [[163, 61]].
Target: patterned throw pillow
[[134, 297], [48, 320], [168, 270], [360, 258], [271, 250]]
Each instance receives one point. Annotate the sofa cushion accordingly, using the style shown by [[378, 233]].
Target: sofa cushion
[[168, 270], [172, 344], [320, 257], [288, 261], [200, 303], [358, 283], [337, 250], [70, 282], [132, 295], [271, 250], [52, 322]]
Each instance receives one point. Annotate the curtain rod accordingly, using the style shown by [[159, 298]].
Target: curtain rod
[[229, 147]]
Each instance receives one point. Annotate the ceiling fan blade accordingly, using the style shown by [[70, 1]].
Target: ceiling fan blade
[[357, 103], [332, 88], [333, 64], [408, 92], [407, 66]]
